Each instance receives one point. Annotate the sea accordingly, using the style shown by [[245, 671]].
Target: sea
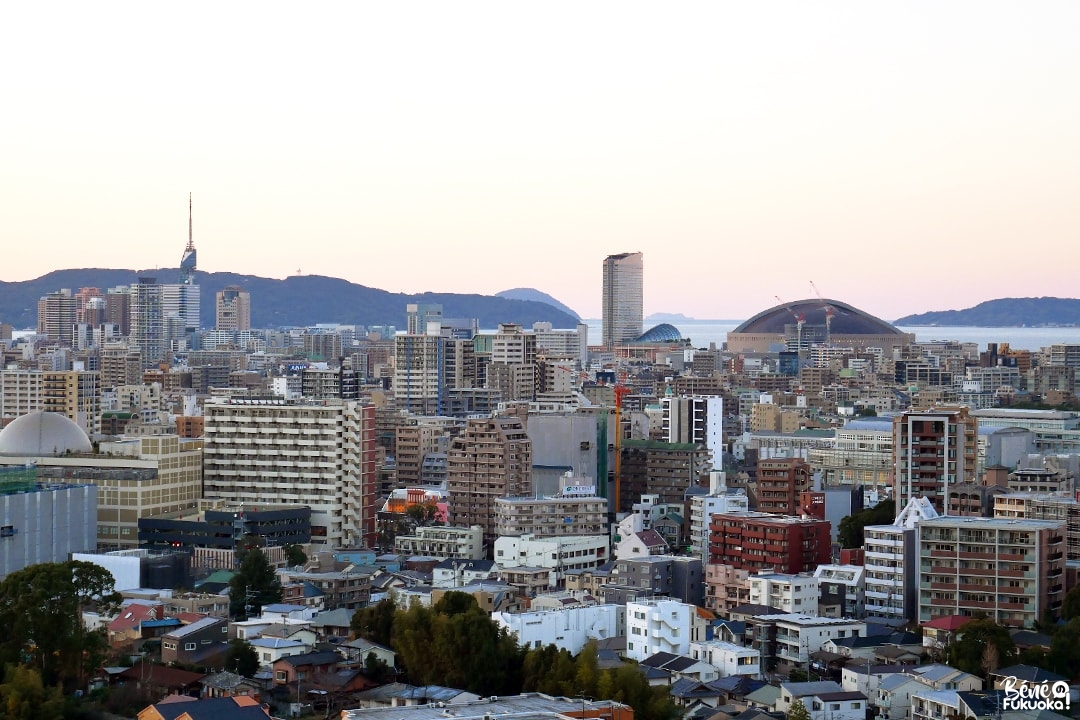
[[704, 332]]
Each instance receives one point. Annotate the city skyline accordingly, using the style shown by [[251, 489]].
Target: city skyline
[[745, 150]]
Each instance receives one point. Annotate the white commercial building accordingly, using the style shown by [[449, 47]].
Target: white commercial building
[[567, 629], [658, 625]]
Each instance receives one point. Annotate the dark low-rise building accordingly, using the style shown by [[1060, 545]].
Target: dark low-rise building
[[227, 525]]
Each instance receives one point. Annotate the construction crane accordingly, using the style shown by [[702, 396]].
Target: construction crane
[[800, 318], [829, 312]]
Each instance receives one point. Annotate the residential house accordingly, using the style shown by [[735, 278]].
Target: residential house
[[271, 649], [126, 627], [305, 667], [681, 666], [197, 643], [728, 658], [356, 651], [229, 684], [824, 700]]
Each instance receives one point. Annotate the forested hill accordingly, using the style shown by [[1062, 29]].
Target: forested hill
[[1006, 312], [296, 301]]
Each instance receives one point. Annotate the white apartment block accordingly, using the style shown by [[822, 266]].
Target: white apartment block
[[568, 629], [728, 658], [703, 507], [658, 625], [453, 543], [568, 513], [280, 452], [783, 591], [418, 373], [889, 563], [559, 554]]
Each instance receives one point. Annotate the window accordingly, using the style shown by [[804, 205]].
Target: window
[[190, 646], [281, 676]]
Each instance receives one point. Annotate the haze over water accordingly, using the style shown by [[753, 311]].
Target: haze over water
[[703, 332]]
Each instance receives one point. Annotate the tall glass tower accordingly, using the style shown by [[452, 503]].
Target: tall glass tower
[[622, 304]]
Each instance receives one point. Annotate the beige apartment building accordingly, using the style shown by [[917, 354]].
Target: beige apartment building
[[577, 512], [1013, 571], [492, 458], [74, 394], [282, 452]]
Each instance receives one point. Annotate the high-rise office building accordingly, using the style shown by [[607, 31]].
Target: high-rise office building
[[622, 302], [233, 309]]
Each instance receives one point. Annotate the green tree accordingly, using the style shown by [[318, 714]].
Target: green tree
[[255, 584], [850, 530], [242, 658], [295, 555], [798, 711], [982, 648], [41, 610], [1064, 655], [23, 696], [376, 668], [375, 622], [1070, 605]]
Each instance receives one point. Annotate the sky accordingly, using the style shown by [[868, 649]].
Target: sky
[[904, 157]]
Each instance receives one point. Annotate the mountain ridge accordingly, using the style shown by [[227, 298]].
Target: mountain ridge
[[296, 301], [1004, 312]]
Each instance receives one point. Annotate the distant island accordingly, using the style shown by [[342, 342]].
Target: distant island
[[661, 317], [296, 301], [1005, 312]]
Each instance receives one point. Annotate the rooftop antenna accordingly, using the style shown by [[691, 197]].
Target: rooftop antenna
[[190, 242]]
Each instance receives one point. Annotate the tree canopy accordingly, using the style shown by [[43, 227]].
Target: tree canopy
[[254, 585], [982, 648], [41, 610], [242, 658], [850, 530]]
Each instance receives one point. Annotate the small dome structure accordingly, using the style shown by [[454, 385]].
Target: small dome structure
[[43, 434], [662, 333]]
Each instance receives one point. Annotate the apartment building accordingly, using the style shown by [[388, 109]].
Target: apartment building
[[786, 640], [841, 590], [418, 373], [890, 564], [279, 451], [933, 450], [577, 510], [440, 541], [1011, 570], [649, 467], [658, 625], [1056, 507], [780, 482], [694, 419], [491, 458], [760, 541], [555, 554], [788, 592], [729, 659], [703, 507]]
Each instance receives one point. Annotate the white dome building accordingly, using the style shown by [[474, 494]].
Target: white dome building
[[43, 434]]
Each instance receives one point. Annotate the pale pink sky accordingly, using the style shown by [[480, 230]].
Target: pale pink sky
[[905, 156]]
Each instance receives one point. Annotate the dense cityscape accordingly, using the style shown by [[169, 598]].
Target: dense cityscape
[[824, 517]]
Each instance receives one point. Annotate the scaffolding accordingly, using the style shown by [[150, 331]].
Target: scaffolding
[[18, 479]]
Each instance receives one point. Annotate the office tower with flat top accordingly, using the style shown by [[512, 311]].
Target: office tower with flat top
[[622, 302]]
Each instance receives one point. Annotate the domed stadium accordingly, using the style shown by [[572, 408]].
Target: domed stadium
[[662, 333], [822, 321], [43, 434]]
